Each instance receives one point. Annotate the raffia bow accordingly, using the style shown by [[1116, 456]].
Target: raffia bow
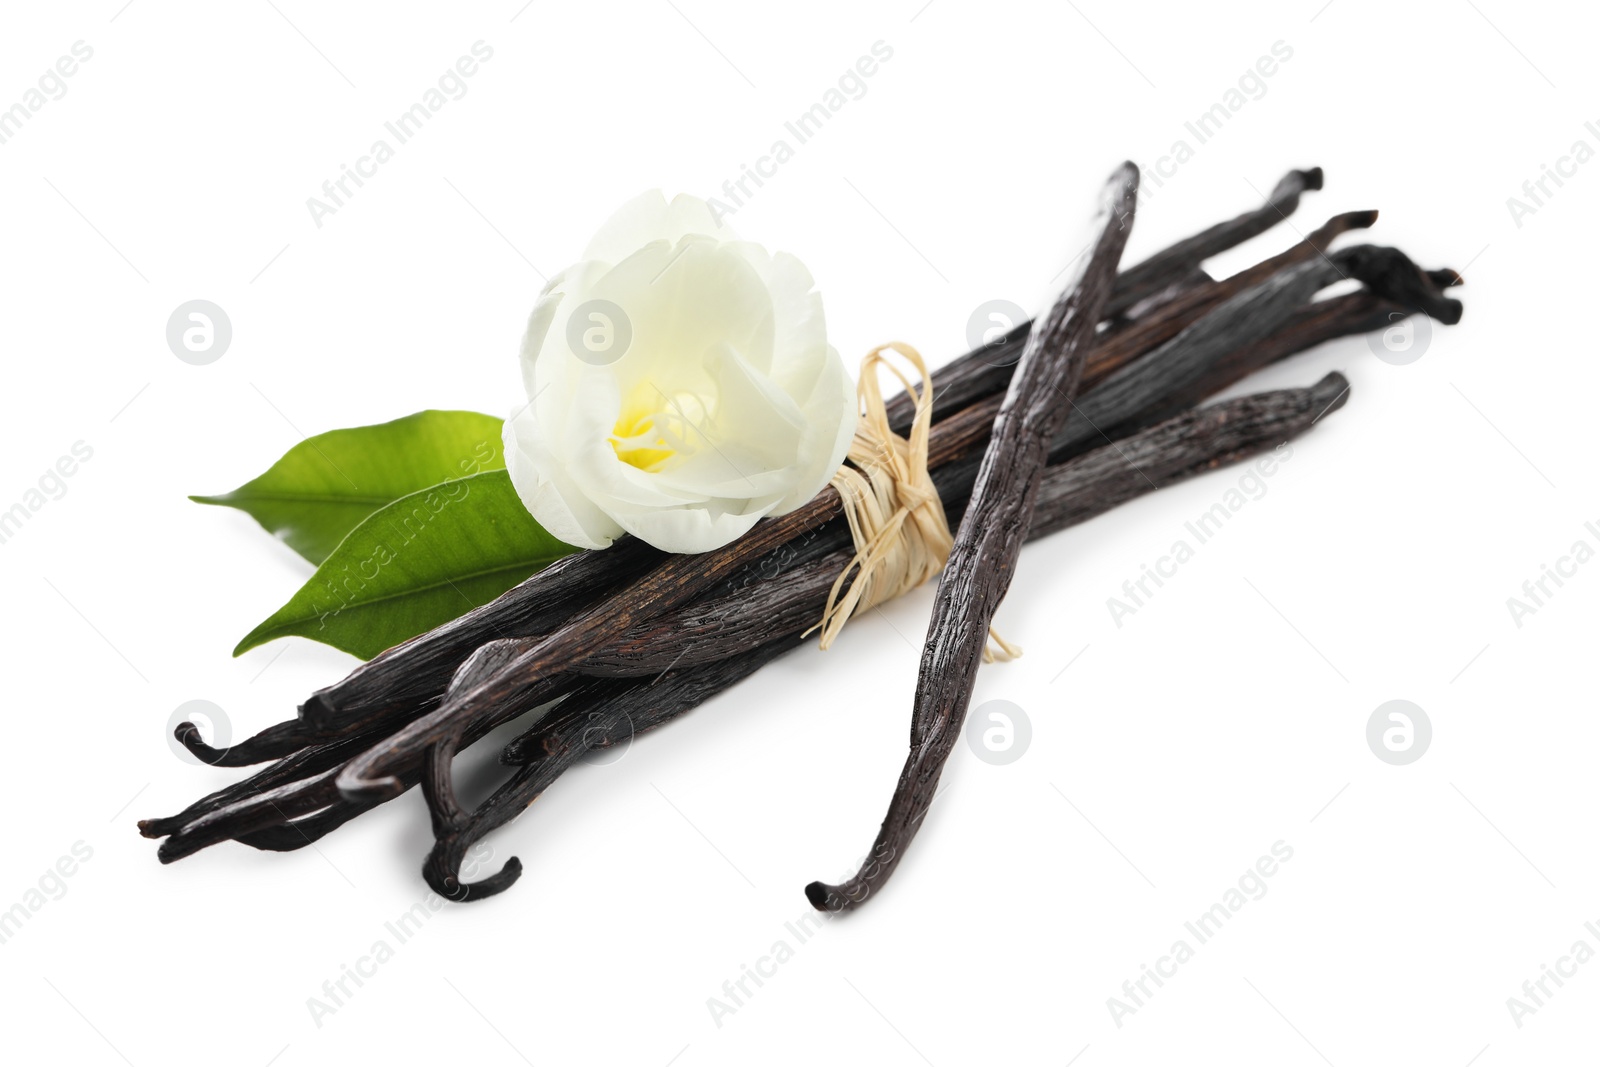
[[896, 518]]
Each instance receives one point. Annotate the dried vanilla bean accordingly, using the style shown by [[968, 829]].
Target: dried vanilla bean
[[1211, 355], [1196, 441], [675, 581], [1357, 312], [1061, 341], [366, 715], [607, 712], [1069, 493], [602, 713], [978, 572], [737, 621], [1184, 360], [274, 742], [1189, 367], [298, 765], [1323, 320], [408, 679], [316, 808], [985, 371], [1175, 265], [263, 809], [1125, 340], [405, 682], [413, 674]]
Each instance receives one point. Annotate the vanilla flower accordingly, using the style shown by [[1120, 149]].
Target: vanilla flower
[[680, 386]]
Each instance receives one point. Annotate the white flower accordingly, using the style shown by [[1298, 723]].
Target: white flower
[[680, 386]]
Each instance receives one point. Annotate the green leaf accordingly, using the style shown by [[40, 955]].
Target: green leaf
[[414, 564], [324, 486]]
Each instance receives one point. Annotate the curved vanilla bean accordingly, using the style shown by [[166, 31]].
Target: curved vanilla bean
[[438, 784], [978, 572], [263, 809], [1175, 264], [1187, 299], [1122, 345], [406, 681], [602, 713], [295, 803], [274, 742], [985, 371], [301, 832], [1195, 363], [296, 766], [988, 544], [605, 713], [299, 767], [1392, 274]]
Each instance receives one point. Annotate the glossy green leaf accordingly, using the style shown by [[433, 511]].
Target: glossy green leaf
[[414, 564], [326, 485]]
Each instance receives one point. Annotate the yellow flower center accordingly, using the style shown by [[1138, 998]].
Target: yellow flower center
[[648, 431]]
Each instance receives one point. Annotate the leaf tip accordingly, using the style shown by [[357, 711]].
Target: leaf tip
[[249, 641]]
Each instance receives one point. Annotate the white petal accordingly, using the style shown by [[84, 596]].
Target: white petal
[[648, 217], [830, 422], [681, 300], [800, 331], [754, 416], [687, 529], [533, 339], [546, 355], [554, 501]]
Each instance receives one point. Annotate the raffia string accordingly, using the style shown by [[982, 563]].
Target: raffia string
[[896, 518]]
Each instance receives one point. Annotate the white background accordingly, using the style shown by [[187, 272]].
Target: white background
[[1226, 715]]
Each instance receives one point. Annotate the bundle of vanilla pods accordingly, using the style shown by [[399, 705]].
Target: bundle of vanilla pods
[[604, 645]]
